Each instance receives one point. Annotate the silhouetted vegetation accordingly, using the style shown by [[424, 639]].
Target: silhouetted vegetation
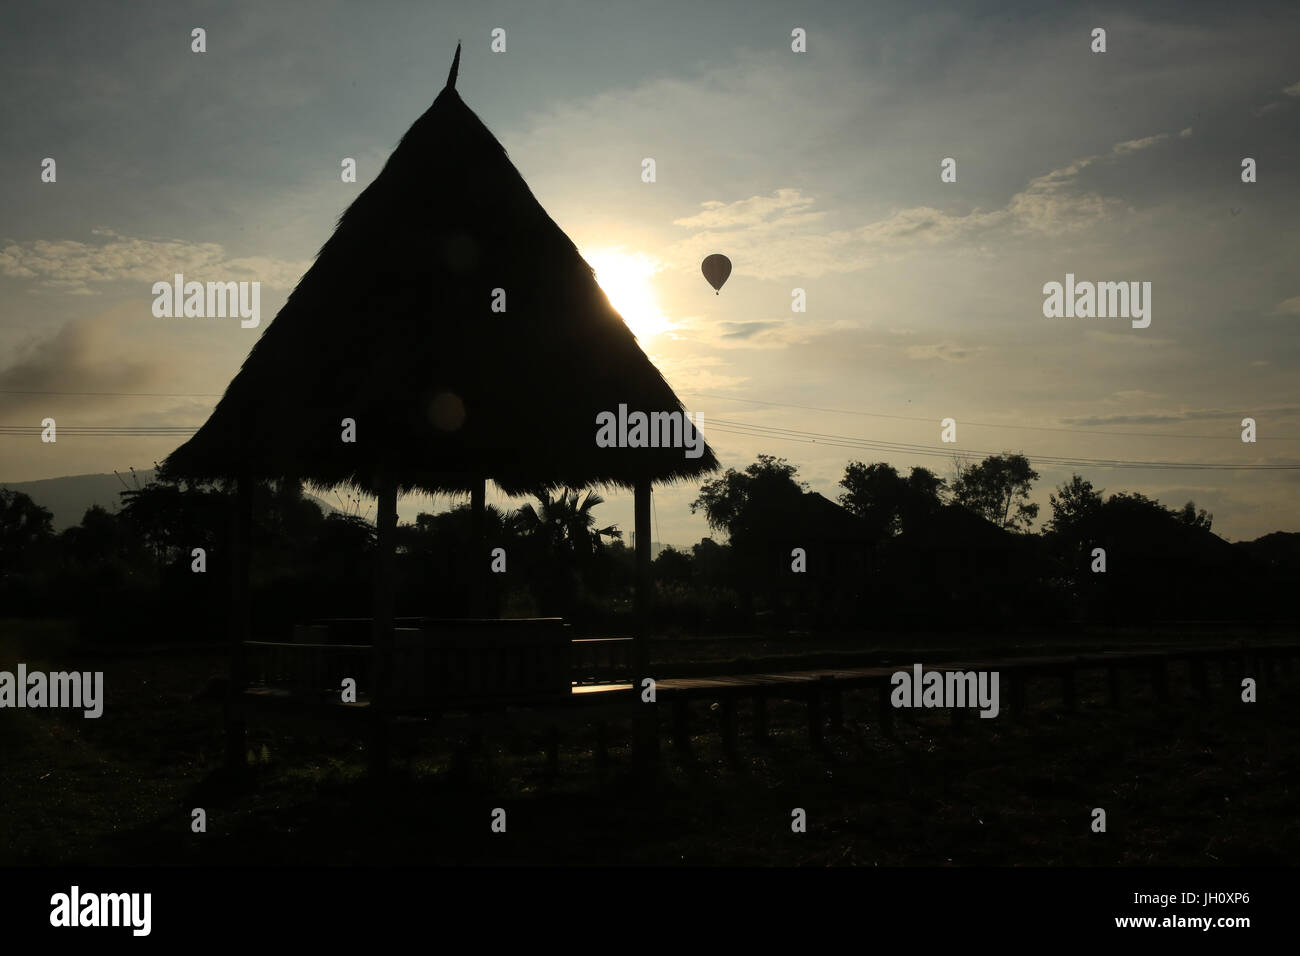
[[895, 553]]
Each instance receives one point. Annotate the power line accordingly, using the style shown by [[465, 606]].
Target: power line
[[108, 431], [1078, 430], [866, 444], [736, 428], [23, 391], [65, 430]]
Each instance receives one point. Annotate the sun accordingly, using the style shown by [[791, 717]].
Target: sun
[[627, 280]]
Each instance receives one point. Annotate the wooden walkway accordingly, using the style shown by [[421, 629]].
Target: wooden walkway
[[821, 689]]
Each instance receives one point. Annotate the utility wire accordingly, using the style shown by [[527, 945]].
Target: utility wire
[[23, 391], [727, 426], [844, 441], [1077, 430]]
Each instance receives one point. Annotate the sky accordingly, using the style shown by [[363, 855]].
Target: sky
[[817, 170]]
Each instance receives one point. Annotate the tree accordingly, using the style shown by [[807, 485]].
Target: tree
[[759, 509], [25, 529], [711, 561], [886, 501], [453, 529], [565, 525], [1194, 519], [102, 538], [925, 488], [875, 494], [562, 535], [672, 566], [1073, 506], [735, 502], [998, 489]]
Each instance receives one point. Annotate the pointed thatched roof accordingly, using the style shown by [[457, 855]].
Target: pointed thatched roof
[[393, 327]]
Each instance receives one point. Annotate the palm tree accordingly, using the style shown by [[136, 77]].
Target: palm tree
[[564, 533], [565, 525]]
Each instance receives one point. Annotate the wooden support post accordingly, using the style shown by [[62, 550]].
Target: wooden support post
[[644, 581], [382, 627], [1200, 682], [815, 719], [647, 734], [681, 730], [1018, 685], [760, 718], [646, 727], [960, 718], [1113, 685], [835, 706], [886, 710], [240, 619], [728, 716], [1069, 689], [479, 567], [1160, 679]]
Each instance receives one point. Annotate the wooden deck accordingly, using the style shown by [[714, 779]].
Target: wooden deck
[[601, 702]]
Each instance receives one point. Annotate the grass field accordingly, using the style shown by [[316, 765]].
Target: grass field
[[1183, 783]]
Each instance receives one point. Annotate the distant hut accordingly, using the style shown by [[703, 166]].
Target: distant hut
[[394, 328], [835, 544], [951, 567]]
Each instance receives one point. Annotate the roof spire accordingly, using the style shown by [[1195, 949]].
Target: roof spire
[[455, 67]]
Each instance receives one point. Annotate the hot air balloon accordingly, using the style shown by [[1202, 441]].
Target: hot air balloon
[[716, 268]]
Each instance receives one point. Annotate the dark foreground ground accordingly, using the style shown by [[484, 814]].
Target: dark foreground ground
[[1183, 783]]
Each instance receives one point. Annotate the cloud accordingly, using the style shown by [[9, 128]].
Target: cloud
[[1292, 90], [772, 236], [696, 373], [1130, 395], [80, 357], [944, 351], [781, 245], [1051, 204], [1289, 306], [1192, 415], [1133, 145], [748, 212], [68, 265], [698, 332], [1126, 340], [745, 330]]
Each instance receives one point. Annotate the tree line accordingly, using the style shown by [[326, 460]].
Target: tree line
[[893, 551]]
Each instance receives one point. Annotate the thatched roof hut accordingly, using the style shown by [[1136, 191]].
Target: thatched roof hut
[[393, 326]]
